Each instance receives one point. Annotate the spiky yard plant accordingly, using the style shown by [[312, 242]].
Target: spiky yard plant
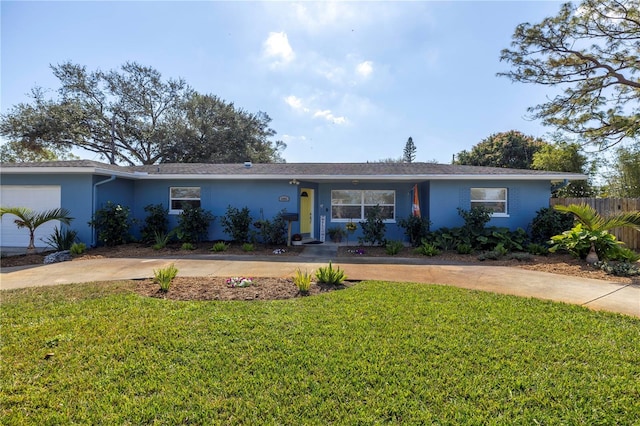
[[27, 218]]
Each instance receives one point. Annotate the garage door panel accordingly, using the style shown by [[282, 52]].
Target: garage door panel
[[37, 198]]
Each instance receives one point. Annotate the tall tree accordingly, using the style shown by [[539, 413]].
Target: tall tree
[[211, 130], [409, 151], [591, 51], [130, 116], [624, 180], [509, 149], [565, 156]]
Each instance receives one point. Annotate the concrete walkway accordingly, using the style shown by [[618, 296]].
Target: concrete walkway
[[594, 294]]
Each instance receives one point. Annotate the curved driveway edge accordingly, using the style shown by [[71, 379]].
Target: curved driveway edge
[[594, 294]]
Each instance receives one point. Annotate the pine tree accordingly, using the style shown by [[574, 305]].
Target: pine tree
[[409, 151]]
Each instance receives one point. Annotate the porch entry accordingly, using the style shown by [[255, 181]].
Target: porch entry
[[306, 212]]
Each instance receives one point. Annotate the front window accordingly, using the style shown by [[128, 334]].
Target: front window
[[352, 204], [491, 198], [181, 196]]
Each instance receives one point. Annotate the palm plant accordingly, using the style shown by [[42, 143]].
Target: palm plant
[[27, 218], [592, 232]]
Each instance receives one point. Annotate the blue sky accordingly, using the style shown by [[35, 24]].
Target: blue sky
[[342, 82]]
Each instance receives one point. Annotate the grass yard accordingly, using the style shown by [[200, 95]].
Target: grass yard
[[377, 352]]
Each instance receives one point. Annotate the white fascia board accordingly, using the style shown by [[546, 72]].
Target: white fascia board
[[65, 171]]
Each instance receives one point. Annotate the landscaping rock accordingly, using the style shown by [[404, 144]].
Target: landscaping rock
[[59, 256]]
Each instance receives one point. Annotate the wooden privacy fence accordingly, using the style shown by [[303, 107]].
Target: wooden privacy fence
[[608, 207]]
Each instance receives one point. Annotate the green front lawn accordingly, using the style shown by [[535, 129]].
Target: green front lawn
[[377, 352]]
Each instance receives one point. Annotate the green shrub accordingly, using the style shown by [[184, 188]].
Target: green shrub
[[537, 249], [156, 222], [415, 228], [578, 240], [62, 239], [236, 223], [447, 238], [625, 254], [521, 257], [77, 248], [427, 249], [187, 246], [549, 222], [247, 247], [373, 227], [113, 224], [164, 276], [393, 247], [464, 249], [302, 280], [161, 240], [273, 232], [476, 218], [501, 249], [220, 246], [328, 275], [619, 269], [490, 255], [193, 224]]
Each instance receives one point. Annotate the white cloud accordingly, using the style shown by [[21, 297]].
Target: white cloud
[[278, 49], [364, 69], [328, 115], [298, 105]]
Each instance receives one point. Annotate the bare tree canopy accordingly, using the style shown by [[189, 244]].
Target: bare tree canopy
[[592, 52]]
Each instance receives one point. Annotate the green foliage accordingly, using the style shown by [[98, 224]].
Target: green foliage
[[501, 249], [521, 257], [220, 246], [463, 248], [589, 51], [624, 181], [27, 218], [475, 219], [415, 228], [474, 357], [427, 249], [328, 275], [156, 222], [509, 149], [62, 239], [147, 119], [236, 223], [164, 276], [393, 247], [302, 280], [161, 240], [619, 269], [409, 153], [336, 233], [187, 246], [373, 227], [547, 223], [78, 248], [578, 240], [247, 247], [565, 157], [538, 249], [490, 255], [593, 221], [625, 254], [273, 232], [113, 224], [193, 224]]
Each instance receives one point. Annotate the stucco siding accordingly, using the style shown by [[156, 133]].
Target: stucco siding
[[76, 196], [524, 198], [263, 198]]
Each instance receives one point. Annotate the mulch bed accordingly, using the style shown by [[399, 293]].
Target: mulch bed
[[216, 288]]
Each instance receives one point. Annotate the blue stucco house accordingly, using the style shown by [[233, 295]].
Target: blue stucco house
[[322, 194]]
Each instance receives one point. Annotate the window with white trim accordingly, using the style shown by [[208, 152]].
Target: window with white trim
[[491, 198], [354, 204], [181, 196]]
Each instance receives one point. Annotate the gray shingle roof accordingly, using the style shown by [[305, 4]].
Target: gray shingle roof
[[300, 170]]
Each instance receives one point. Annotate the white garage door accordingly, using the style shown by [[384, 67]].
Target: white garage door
[[37, 198]]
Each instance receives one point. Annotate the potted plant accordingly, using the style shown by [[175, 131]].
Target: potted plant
[[336, 233]]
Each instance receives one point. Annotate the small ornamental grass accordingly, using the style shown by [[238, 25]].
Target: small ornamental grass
[[428, 249], [393, 247], [247, 247], [302, 280], [220, 246], [328, 275], [164, 276], [239, 282], [78, 248]]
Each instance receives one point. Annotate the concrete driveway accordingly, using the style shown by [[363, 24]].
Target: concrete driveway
[[594, 294]]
